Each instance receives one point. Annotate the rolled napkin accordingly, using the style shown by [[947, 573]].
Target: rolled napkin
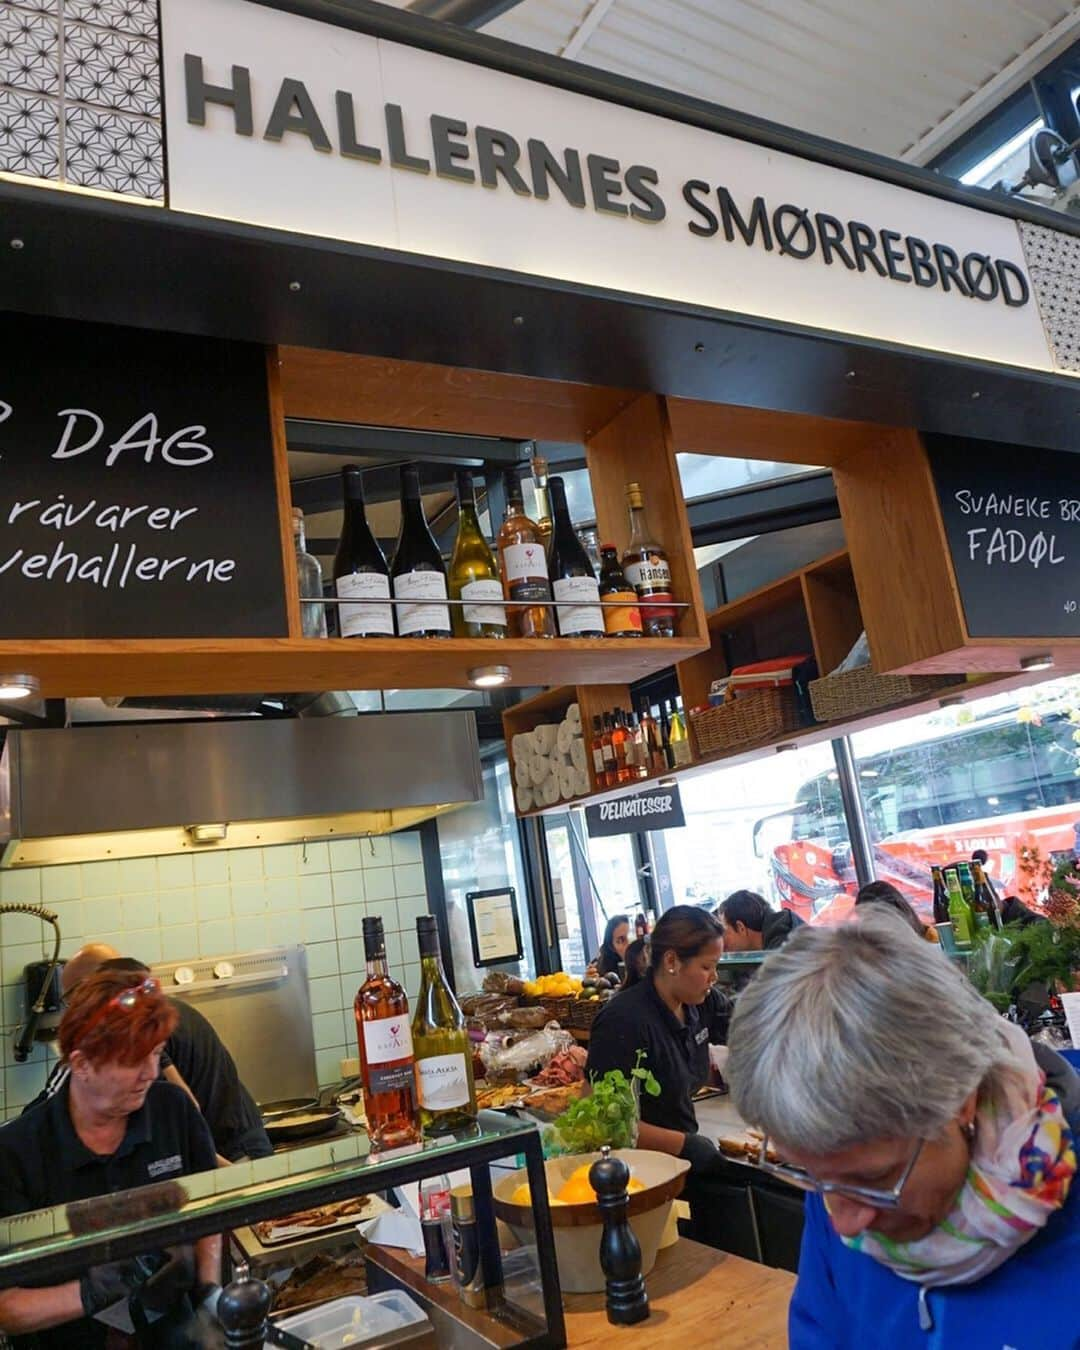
[[564, 736], [522, 775], [567, 773], [521, 744], [581, 783], [524, 798], [544, 737], [539, 768], [573, 716], [549, 790], [579, 756]]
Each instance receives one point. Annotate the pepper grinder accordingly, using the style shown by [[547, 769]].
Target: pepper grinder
[[620, 1251], [242, 1310]]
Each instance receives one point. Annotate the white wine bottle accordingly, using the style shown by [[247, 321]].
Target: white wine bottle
[[444, 1076]]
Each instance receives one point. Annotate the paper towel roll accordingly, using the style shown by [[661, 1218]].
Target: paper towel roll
[[539, 768], [549, 790], [581, 783], [522, 775], [544, 737], [563, 738], [566, 781], [524, 798], [579, 756], [573, 716], [521, 745]]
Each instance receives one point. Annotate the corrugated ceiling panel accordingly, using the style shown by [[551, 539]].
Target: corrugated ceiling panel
[[877, 75]]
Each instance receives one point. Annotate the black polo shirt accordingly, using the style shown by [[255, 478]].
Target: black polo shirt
[[43, 1162], [208, 1069], [676, 1052]]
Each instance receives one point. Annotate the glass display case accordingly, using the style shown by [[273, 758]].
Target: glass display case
[[55, 1245]]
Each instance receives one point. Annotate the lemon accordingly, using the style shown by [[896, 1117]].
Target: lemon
[[577, 1189]]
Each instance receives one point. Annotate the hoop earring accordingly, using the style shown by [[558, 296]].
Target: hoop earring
[[968, 1131]]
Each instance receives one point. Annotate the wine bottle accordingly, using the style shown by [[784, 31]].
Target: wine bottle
[[418, 573], [665, 736], [654, 744], [474, 573], [572, 577], [523, 564], [444, 1076], [640, 743], [620, 738], [607, 749], [985, 903], [963, 922], [597, 747], [647, 568], [309, 582], [680, 739], [387, 1067], [622, 613], [941, 897], [360, 570]]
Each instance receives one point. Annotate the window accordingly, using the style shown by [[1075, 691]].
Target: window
[[595, 878], [775, 825], [1001, 774]]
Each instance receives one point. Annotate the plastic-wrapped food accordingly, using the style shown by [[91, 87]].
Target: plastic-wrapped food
[[513, 1057], [523, 1019], [498, 982], [487, 1007]]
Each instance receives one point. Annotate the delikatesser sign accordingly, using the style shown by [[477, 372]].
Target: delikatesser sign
[[657, 809], [282, 121]]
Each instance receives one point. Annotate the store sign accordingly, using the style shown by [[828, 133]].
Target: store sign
[[1012, 520], [282, 121], [137, 492], [658, 809]]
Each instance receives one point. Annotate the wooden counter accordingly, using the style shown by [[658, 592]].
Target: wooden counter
[[696, 1295]]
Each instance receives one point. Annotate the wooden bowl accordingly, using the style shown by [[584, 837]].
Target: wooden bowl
[[578, 1227]]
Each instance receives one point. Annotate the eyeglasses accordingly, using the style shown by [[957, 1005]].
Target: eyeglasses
[[866, 1195], [127, 999]]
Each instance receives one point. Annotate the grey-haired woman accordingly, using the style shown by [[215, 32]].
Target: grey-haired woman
[[937, 1145]]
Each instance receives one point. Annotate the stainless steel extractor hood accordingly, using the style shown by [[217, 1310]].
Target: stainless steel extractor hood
[[137, 789]]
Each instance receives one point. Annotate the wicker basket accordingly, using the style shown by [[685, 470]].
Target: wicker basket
[[754, 715], [557, 1009], [835, 697], [584, 1012]]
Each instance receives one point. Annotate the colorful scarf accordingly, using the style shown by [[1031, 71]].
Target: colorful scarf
[[1023, 1161]]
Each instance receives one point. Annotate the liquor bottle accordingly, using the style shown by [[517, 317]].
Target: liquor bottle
[[959, 912], [622, 613], [967, 884], [573, 580], [619, 738], [985, 905], [941, 897], [444, 1077], [607, 747], [418, 572], [654, 746], [641, 747], [680, 739], [597, 748], [360, 570], [474, 573], [544, 524], [309, 582], [665, 736], [387, 1069], [523, 563], [647, 569]]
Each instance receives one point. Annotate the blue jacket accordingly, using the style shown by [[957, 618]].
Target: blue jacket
[[847, 1301]]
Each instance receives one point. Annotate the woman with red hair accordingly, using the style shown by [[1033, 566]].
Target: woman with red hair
[[114, 1126]]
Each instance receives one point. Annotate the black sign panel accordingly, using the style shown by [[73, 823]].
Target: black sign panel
[[1012, 519], [137, 494], [657, 809]]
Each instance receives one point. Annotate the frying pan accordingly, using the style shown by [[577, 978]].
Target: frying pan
[[303, 1123]]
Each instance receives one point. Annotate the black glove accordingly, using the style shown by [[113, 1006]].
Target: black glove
[[700, 1152], [175, 1277], [102, 1286]]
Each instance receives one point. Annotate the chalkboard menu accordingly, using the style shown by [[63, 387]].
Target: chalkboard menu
[[1012, 519], [137, 494]]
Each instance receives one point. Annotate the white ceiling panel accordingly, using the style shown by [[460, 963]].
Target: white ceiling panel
[[879, 75]]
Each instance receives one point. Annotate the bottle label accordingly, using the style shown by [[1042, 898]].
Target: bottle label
[[598, 760], [650, 575], [421, 617], [364, 620], [388, 1040], [586, 616], [443, 1081], [479, 608], [525, 562], [624, 614]]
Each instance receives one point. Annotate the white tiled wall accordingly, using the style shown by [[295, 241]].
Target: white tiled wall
[[168, 908]]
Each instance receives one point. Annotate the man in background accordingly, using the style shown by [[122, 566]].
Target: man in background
[[752, 925], [195, 1059]]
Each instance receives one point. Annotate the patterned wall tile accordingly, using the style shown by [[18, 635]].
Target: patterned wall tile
[[29, 51], [123, 16], [113, 151], [1053, 260], [110, 70], [29, 135]]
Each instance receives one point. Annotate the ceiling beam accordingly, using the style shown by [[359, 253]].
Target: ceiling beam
[[594, 16], [465, 13], [348, 439]]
